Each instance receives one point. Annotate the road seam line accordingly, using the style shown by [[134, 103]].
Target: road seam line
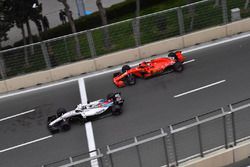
[[88, 125], [200, 88], [13, 116], [24, 144]]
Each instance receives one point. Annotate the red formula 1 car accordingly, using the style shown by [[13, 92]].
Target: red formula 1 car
[[127, 76]]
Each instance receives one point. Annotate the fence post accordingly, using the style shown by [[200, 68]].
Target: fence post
[[233, 125], [200, 138], [165, 148], [99, 160], [110, 157], [225, 131], [2, 66], [172, 155], [138, 152], [180, 21], [224, 11], [174, 147], [45, 54], [91, 43], [136, 30], [71, 161], [66, 49]]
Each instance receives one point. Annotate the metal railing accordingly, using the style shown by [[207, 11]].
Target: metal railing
[[82, 160], [177, 143], [117, 36]]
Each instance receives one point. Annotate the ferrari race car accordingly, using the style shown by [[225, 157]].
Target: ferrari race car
[[85, 112], [127, 76]]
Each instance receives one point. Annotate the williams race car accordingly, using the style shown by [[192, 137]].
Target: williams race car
[[85, 112], [127, 76]]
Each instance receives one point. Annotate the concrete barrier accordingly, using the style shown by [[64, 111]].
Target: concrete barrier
[[204, 35], [238, 26], [161, 47], [242, 152], [28, 80], [3, 87], [219, 159], [116, 58], [73, 69]]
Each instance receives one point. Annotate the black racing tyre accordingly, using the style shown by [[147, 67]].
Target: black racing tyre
[[51, 118], [116, 74], [61, 111], [125, 68], [171, 54], [131, 80], [178, 67], [65, 126], [116, 110]]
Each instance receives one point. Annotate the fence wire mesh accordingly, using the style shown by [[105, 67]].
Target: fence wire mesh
[[118, 36], [187, 143]]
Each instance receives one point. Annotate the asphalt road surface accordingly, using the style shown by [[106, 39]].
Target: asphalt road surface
[[149, 105]]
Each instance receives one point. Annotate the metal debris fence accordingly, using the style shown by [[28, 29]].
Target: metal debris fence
[[177, 143], [126, 34]]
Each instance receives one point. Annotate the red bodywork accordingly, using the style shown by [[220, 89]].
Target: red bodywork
[[149, 69]]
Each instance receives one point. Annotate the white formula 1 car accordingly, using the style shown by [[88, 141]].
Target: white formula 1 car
[[85, 112]]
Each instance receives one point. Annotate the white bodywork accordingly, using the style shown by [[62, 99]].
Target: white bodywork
[[85, 110]]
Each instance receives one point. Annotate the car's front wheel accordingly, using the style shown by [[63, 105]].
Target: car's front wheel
[[61, 111], [125, 68], [116, 74]]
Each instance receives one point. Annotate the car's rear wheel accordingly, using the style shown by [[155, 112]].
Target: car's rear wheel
[[65, 126], [178, 67], [61, 111], [116, 110], [125, 68]]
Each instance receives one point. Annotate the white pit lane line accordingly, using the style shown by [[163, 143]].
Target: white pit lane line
[[200, 88], [14, 116], [88, 125]]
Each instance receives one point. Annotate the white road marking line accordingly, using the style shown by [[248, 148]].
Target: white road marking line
[[88, 125], [25, 144], [89, 75], [189, 61], [13, 116], [203, 87]]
